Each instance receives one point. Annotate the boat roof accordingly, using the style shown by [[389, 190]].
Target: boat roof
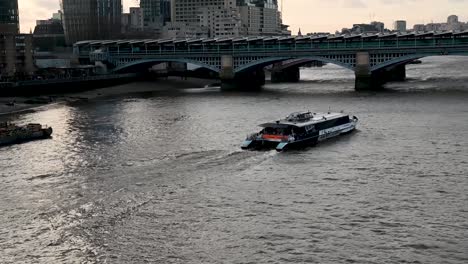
[[314, 118]]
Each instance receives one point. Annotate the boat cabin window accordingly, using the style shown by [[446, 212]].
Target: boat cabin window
[[300, 130], [333, 123], [277, 131], [298, 117]]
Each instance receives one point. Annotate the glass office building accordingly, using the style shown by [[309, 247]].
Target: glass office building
[[9, 19], [91, 19]]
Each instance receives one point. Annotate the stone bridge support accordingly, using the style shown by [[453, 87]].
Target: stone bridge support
[[247, 80], [374, 80], [101, 67], [364, 80], [280, 74], [391, 74]]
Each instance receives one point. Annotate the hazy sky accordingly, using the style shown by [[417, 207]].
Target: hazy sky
[[311, 15]]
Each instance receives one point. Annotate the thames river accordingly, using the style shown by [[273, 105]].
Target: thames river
[[159, 177]]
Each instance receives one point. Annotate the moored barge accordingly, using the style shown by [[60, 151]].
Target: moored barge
[[301, 129], [12, 134]]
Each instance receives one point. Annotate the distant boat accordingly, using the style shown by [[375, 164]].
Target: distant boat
[[12, 134], [300, 130]]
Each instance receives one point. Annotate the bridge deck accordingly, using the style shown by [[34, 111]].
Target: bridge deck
[[278, 44]]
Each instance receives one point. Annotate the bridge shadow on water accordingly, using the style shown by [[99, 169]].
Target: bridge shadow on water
[[336, 88]]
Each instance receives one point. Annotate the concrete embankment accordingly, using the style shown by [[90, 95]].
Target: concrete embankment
[[18, 104], [69, 85]]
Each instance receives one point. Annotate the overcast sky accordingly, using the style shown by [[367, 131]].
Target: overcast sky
[[311, 15]]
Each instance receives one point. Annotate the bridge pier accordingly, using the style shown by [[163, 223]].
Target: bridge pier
[[394, 74], [365, 80], [291, 74], [243, 81], [227, 72], [101, 67]]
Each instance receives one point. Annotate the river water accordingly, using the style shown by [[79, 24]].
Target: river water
[[159, 177]]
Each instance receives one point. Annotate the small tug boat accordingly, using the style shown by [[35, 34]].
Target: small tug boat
[[12, 134], [300, 129]]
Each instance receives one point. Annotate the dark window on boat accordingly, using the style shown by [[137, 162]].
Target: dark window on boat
[[299, 130], [332, 123], [342, 120], [277, 131]]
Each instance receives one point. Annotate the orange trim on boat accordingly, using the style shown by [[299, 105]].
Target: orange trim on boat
[[274, 137]]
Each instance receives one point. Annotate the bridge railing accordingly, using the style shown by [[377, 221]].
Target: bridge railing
[[234, 48], [264, 51]]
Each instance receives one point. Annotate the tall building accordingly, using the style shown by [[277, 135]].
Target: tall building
[[109, 14], [453, 19], [156, 13], [251, 18], [400, 26], [91, 19], [136, 18], [9, 18], [230, 17], [379, 26], [453, 24], [373, 27], [205, 18], [151, 12], [125, 23], [419, 27], [166, 10], [260, 17], [57, 16], [17, 58], [220, 22], [186, 11], [16, 50], [48, 34], [434, 27]]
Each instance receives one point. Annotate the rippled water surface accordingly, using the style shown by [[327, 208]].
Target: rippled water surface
[[159, 177]]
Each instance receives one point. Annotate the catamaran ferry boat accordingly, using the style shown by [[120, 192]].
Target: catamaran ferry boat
[[300, 130]]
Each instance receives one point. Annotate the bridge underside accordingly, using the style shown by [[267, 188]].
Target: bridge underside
[[376, 80], [372, 71], [375, 58], [372, 68], [290, 72]]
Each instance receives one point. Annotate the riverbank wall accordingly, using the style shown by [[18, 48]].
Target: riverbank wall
[[63, 86]]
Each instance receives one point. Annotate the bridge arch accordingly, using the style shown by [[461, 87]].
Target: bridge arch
[[309, 59], [403, 60], [151, 62], [260, 63], [399, 61], [301, 61]]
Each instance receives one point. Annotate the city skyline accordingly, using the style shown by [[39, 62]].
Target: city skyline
[[295, 15]]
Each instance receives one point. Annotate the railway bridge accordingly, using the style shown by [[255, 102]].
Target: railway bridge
[[239, 62]]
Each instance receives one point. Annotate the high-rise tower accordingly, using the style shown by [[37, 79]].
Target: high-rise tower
[[151, 12], [91, 19], [9, 19]]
